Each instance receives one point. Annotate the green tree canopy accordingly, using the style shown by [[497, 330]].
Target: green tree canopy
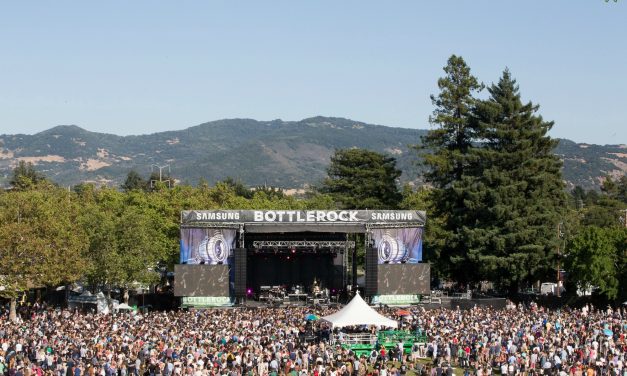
[[448, 145], [270, 191], [362, 179], [518, 198], [447, 151], [128, 238], [40, 245], [134, 181], [25, 176], [615, 189], [498, 192], [596, 258], [238, 187], [605, 209]]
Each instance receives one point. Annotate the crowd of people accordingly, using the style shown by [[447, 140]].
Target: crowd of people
[[280, 341], [528, 340]]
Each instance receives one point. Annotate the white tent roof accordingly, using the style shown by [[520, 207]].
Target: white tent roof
[[123, 306], [357, 312]]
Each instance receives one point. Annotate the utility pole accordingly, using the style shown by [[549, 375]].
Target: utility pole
[[160, 168], [560, 234]]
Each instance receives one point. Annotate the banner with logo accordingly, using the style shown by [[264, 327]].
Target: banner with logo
[[190, 217]]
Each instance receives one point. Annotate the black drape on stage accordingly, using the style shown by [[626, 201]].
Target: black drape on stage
[[292, 269]]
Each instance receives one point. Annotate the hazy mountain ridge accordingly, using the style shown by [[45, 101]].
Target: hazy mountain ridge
[[288, 154]]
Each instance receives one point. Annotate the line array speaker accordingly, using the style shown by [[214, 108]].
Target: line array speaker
[[240, 272], [372, 267]]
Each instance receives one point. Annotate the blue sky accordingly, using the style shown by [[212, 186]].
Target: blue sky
[[134, 67]]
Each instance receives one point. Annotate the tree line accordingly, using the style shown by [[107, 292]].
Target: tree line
[[497, 206], [500, 211]]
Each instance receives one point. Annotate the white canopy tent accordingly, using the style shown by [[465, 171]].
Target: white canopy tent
[[99, 300], [356, 313], [123, 307]]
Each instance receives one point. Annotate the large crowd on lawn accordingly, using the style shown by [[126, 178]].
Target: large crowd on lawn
[[519, 340]]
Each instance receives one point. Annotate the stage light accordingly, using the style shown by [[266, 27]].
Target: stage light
[[293, 250], [288, 257], [249, 291]]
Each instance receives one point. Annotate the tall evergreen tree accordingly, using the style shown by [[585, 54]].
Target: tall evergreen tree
[[362, 179], [447, 152], [518, 197]]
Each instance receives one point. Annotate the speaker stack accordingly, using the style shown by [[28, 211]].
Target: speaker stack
[[372, 267], [240, 272]]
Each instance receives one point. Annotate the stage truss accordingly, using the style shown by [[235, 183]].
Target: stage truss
[[315, 244]]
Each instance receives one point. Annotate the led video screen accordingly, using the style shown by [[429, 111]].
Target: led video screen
[[206, 245], [201, 280], [404, 279], [398, 245]]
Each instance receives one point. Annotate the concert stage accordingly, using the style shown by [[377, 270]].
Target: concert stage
[[279, 257]]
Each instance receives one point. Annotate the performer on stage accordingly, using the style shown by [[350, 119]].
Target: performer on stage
[[316, 291]]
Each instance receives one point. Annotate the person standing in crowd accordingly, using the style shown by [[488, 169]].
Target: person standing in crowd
[[266, 341]]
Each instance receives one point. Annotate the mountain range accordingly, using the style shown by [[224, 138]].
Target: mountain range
[[287, 154]]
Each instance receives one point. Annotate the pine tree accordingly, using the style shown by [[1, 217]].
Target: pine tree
[[518, 198], [447, 152], [362, 179]]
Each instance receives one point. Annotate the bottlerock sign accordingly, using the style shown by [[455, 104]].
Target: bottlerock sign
[[303, 216]]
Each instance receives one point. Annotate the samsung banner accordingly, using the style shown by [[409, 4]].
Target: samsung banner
[[191, 217]]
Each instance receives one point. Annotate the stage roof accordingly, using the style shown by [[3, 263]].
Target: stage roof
[[266, 221]]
